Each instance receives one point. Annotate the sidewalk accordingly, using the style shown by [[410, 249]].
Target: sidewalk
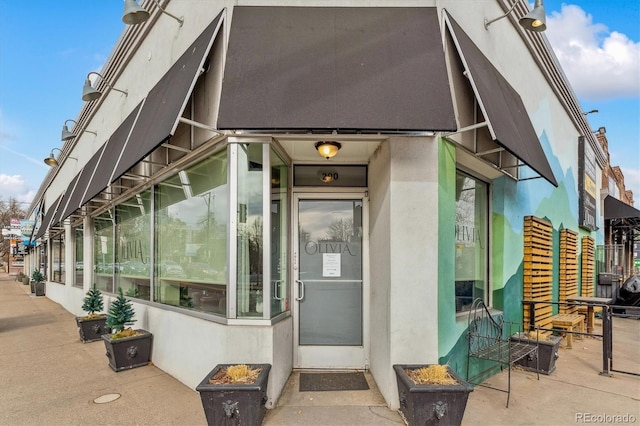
[[48, 377]]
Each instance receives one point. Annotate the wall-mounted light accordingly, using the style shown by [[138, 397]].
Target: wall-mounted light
[[89, 93], [51, 159], [66, 134], [535, 20], [135, 14], [593, 111], [328, 149]]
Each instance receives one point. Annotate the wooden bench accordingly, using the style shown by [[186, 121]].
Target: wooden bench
[[490, 340], [570, 323], [589, 316]]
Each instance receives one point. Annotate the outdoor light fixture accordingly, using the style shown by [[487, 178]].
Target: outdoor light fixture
[[66, 134], [135, 14], [590, 112], [535, 20], [51, 159], [328, 149], [89, 93]]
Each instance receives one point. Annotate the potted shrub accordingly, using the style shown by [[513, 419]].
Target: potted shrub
[[235, 394], [548, 347], [38, 282], [126, 348], [92, 326], [431, 394]]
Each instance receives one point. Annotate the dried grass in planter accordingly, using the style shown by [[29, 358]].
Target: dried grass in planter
[[431, 375], [240, 373]]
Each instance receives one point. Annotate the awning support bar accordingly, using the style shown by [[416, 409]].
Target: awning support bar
[[200, 125], [489, 151], [466, 129]]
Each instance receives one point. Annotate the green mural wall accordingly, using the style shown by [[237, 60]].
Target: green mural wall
[[511, 201]]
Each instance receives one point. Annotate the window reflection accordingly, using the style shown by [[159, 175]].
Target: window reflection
[[79, 257], [471, 241], [103, 251], [133, 225], [191, 237]]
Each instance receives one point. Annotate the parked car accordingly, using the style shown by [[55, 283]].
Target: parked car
[[134, 267], [201, 270], [169, 268]]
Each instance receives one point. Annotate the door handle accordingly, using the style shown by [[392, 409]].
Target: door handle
[[277, 289], [300, 295]]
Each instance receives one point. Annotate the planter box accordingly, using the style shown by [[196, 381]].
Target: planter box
[[92, 329], [128, 352], [33, 285], [235, 404], [40, 288], [547, 354], [431, 404], [25, 281]]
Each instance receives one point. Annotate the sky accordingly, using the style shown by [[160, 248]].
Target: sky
[[48, 47]]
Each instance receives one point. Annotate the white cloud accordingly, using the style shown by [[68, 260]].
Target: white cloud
[[14, 186], [598, 63]]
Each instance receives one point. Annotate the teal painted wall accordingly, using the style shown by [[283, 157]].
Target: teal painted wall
[[511, 201]]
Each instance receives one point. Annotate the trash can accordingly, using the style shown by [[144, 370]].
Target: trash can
[[608, 285]]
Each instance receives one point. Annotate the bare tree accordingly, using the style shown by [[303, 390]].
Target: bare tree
[[8, 210]]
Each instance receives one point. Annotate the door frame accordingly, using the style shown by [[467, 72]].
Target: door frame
[[331, 357]]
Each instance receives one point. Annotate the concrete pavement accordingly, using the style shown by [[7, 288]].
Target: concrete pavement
[[48, 377]]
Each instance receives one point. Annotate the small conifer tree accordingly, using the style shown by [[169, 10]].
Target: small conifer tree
[[93, 301], [120, 313], [37, 276]]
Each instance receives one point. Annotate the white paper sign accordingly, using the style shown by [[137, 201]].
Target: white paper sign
[[330, 264]]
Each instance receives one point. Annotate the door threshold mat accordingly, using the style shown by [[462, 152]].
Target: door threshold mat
[[316, 382]]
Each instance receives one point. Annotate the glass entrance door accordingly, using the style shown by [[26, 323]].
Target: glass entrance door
[[330, 285]]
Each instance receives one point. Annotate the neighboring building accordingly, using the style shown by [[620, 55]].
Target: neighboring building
[[622, 220], [200, 191]]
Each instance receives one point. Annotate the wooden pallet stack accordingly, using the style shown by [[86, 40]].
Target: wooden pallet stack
[[588, 266], [568, 280], [538, 270]]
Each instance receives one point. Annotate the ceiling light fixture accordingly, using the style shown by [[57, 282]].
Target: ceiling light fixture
[[328, 149], [51, 159], [66, 134], [89, 93], [135, 14], [535, 20]]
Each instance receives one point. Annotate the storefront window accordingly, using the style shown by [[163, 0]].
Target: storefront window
[[471, 241], [78, 277], [133, 236], [192, 213], [103, 251], [250, 230], [57, 258], [279, 241]]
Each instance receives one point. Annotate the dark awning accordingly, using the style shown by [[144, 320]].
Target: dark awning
[[328, 68], [616, 209], [110, 154], [83, 181], [46, 221], [501, 105], [165, 103], [57, 218]]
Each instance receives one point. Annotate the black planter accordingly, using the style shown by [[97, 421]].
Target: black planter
[[547, 354], [235, 404], [91, 329], [431, 404], [128, 352], [39, 287]]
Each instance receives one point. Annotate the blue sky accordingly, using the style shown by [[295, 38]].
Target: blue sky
[[48, 47]]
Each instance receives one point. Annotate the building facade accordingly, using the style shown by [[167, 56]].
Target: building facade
[[197, 182]]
